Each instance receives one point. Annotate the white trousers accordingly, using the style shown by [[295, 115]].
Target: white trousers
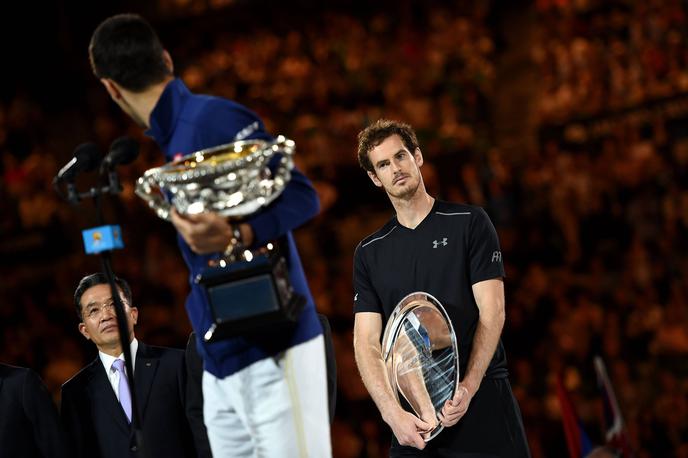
[[276, 407]]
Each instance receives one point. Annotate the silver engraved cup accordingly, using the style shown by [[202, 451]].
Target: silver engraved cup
[[232, 179], [420, 351]]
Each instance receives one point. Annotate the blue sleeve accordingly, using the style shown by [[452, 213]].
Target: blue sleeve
[[227, 121], [297, 204]]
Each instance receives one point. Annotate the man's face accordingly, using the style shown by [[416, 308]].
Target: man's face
[[99, 317], [396, 169]]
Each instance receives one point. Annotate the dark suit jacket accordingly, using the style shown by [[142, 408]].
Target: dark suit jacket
[[29, 425], [194, 398], [95, 422]]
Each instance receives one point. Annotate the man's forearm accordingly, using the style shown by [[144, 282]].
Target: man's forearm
[[374, 376], [484, 345]]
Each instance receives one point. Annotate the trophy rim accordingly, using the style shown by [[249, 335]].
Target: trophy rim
[[201, 177], [406, 305], [200, 158]]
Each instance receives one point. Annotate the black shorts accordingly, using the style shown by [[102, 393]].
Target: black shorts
[[492, 428]]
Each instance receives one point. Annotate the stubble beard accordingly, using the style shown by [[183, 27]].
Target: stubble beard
[[406, 193]]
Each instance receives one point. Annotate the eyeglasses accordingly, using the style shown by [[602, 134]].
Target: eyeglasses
[[94, 310]]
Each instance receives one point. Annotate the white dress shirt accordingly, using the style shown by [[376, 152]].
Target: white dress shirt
[[111, 372]]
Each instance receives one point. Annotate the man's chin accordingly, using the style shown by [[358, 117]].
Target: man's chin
[[405, 192], [110, 332]]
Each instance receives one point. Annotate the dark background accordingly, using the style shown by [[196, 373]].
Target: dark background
[[565, 120]]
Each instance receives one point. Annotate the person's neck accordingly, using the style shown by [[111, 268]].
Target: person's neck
[[413, 210], [114, 350], [143, 103]]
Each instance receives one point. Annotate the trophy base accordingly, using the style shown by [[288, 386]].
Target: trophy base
[[247, 298]]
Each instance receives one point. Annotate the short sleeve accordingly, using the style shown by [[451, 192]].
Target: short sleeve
[[365, 297], [485, 255]]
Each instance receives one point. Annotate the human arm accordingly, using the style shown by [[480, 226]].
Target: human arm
[[211, 233], [408, 368], [76, 422], [41, 412], [489, 297], [194, 397], [406, 427]]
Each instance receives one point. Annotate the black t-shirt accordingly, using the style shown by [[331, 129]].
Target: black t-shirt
[[454, 247]]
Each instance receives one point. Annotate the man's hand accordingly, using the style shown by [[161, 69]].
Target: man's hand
[[204, 232], [407, 428], [456, 407]]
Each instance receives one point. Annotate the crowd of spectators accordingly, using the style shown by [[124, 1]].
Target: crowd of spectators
[[593, 227], [600, 56]]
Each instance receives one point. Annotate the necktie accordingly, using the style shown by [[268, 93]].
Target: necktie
[[123, 388]]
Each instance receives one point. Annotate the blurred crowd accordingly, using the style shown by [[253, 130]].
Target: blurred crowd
[[597, 56], [594, 228]]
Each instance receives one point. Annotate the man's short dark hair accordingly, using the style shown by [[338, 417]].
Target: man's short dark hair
[[379, 131], [92, 280], [126, 49]]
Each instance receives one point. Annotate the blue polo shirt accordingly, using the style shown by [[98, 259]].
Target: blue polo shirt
[[183, 122]]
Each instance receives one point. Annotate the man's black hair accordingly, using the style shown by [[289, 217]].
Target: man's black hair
[[92, 280], [126, 49]]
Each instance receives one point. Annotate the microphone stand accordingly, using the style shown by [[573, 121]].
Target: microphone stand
[[96, 193]]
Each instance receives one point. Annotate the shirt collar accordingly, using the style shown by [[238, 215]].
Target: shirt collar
[[163, 118], [107, 360]]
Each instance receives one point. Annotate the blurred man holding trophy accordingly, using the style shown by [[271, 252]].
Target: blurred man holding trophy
[[232, 193], [432, 279]]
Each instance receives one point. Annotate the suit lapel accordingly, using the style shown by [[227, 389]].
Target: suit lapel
[[103, 396], [144, 374]]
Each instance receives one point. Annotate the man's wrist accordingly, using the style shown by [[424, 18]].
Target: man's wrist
[[391, 412], [471, 385], [236, 242]]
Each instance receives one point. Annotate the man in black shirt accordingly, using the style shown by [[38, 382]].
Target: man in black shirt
[[452, 252]]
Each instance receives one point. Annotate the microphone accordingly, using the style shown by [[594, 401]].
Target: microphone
[[86, 158], [122, 151]]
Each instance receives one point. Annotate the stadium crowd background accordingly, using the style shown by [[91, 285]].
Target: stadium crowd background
[[564, 119]]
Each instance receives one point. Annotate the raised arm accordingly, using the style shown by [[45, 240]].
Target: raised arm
[[211, 233]]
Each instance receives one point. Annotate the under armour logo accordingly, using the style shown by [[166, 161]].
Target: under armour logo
[[497, 256], [442, 242]]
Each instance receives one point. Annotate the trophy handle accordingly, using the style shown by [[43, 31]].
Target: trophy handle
[[148, 189], [232, 180]]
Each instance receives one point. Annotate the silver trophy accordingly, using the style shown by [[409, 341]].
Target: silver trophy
[[232, 179], [421, 354], [248, 292]]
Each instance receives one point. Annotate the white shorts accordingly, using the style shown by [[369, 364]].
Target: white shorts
[[276, 407]]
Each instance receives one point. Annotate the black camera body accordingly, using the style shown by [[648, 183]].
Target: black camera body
[[247, 297]]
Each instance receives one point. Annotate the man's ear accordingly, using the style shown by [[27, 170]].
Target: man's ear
[[134, 314], [373, 177], [112, 88], [84, 331], [168, 60], [418, 157]]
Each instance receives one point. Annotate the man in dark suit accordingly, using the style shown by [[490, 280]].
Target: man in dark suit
[[29, 425], [96, 402]]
